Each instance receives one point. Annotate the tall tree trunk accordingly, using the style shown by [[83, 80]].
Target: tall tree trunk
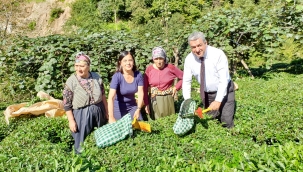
[[233, 67], [247, 68], [176, 55], [8, 16]]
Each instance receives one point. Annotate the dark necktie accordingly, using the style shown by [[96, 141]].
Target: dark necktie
[[202, 79]]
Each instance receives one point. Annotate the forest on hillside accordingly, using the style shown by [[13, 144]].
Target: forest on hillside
[[253, 34], [261, 38]]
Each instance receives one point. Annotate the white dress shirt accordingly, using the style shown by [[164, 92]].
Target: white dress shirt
[[216, 72]]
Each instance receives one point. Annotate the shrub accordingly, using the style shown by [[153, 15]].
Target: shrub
[[55, 13], [32, 25]]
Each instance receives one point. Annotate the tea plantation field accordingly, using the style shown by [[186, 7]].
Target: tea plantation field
[[267, 136]]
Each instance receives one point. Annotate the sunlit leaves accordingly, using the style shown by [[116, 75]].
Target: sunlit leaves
[[267, 137]]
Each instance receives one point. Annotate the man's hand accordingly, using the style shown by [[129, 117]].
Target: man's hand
[[215, 105]]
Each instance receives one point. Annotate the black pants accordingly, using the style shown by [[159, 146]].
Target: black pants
[[87, 119], [226, 112]]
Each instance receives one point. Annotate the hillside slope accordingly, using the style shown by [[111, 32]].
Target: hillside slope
[[37, 14]]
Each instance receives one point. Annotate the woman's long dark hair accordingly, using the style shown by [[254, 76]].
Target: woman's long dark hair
[[121, 56]]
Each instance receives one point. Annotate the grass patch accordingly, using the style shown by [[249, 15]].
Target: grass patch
[[32, 25], [55, 13]]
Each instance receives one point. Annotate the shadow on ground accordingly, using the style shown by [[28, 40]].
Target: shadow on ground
[[294, 67]]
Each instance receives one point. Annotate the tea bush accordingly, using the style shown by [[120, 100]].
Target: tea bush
[[267, 137]]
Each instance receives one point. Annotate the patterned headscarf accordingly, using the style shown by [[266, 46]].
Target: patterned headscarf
[[81, 57], [158, 52]]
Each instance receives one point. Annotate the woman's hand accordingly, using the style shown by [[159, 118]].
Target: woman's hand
[[71, 121], [137, 114], [174, 91], [111, 119], [147, 109], [73, 126]]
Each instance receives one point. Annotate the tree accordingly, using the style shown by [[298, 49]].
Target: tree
[[6, 10]]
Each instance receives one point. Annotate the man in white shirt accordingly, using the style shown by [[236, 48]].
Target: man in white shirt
[[218, 88]]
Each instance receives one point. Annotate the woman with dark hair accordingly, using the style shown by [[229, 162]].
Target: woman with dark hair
[[124, 84]]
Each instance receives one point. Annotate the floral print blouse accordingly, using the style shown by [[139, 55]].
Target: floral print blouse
[[87, 86]]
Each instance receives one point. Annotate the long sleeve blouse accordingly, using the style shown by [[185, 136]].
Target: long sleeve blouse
[[87, 85], [162, 79]]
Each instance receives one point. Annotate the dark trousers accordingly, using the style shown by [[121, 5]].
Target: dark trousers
[[226, 112], [87, 119]]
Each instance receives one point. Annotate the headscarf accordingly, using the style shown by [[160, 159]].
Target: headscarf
[[158, 52], [81, 57]]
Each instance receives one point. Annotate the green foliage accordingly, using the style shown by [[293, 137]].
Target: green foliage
[[289, 50], [85, 16], [45, 142], [32, 25], [191, 10], [105, 11], [34, 100], [139, 11], [241, 28], [4, 97], [49, 62], [44, 63], [252, 33], [55, 13], [117, 26], [267, 137]]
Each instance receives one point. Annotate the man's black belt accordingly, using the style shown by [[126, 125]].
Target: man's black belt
[[211, 92]]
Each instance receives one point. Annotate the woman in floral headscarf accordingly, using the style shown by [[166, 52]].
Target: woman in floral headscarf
[[84, 101], [159, 83]]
